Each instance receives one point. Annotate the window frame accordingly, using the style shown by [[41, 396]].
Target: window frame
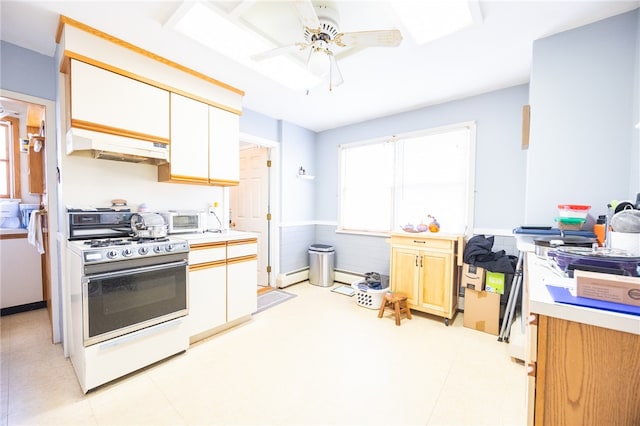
[[14, 180], [470, 169]]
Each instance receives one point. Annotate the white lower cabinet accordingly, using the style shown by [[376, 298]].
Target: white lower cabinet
[[242, 288], [207, 297], [242, 278], [223, 281]]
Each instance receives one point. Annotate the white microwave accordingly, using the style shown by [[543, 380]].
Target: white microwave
[[184, 222]]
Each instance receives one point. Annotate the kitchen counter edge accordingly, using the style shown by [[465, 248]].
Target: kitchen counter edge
[[541, 302], [212, 237]]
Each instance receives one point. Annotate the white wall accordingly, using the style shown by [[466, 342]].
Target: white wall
[[88, 182]]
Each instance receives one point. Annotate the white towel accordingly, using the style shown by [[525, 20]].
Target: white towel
[[34, 235]]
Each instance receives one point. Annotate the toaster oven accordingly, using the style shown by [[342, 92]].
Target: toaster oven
[[184, 222]]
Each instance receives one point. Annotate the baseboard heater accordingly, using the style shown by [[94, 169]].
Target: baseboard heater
[[299, 275]]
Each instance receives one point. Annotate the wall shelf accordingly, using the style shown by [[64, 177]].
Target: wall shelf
[[306, 177]]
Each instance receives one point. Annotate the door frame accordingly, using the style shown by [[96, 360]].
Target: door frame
[[52, 204], [274, 200]]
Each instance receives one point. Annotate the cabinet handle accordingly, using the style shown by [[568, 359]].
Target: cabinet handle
[[532, 319], [419, 242], [416, 261], [531, 369], [421, 261]]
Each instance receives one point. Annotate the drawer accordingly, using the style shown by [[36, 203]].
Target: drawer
[[422, 242], [205, 253], [240, 248]]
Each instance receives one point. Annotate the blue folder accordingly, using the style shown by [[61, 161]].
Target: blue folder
[[562, 295]]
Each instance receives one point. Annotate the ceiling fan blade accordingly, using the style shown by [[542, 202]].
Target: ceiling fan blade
[[290, 48], [335, 76], [307, 13], [389, 38]]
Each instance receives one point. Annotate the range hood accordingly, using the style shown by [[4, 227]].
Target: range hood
[[119, 148]]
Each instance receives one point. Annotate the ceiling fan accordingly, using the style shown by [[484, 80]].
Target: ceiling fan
[[320, 21]]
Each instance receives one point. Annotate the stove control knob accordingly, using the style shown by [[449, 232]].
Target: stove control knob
[[127, 252], [169, 247], [112, 254], [143, 250], [157, 249]]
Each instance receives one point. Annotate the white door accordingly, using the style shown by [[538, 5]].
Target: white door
[[250, 203]]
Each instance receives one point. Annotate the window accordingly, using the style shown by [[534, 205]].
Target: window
[[9, 158], [386, 184]]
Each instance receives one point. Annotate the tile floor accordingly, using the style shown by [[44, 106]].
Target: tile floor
[[318, 358]]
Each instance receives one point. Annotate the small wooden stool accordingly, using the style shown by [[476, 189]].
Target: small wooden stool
[[399, 303]]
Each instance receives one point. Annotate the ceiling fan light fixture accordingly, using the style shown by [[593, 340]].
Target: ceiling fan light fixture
[[319, 63]]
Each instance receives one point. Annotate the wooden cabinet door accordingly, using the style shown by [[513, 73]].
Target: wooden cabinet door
[[36, 167], [586, 374], [189, 149], [224, 147], [435, 279], [103, 100], [405, 272], [207, 297]]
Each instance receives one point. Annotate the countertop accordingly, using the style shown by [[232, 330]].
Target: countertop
[[541, 302], [13, 231]]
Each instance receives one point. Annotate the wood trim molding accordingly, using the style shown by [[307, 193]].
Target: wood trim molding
[[87, 125], [13, 236], [220, 182], [207, 265], [65, 20], [15, 170], [242, 259], [204, 246], [526, 125], [242, 242]]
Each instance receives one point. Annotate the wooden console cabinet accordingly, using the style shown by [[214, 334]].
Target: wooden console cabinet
[[426, 268]]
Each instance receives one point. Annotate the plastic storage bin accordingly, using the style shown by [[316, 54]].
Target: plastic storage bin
[[10, 214], [321, 265]]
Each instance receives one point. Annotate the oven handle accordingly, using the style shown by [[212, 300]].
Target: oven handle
[[124, 272]]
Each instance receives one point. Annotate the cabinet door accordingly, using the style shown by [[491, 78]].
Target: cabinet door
[[207, 297], [36, 169], [435, 288], [404, 272], [105, 101], [242, 287], [189, 147], [224, 145]]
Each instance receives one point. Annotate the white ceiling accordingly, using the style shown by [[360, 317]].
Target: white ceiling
[[379, 81]]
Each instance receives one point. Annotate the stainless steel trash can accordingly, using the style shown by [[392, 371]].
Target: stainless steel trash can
[[321, 265]]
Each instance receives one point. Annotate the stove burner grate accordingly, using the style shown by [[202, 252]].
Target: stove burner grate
[[107, 243]]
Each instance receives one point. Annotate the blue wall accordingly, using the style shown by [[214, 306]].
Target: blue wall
[[582, 115], [27, 72], [500, 168]]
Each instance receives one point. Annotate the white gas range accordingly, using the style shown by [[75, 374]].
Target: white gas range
[[128, 297]]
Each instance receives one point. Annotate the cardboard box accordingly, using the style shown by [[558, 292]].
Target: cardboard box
[[482, 311], [494, 282], [472, 277], [612, 288]]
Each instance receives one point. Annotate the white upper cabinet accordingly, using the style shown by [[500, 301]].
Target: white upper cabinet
[[189, 148], [224, 146], [108, 102], [205, 144]]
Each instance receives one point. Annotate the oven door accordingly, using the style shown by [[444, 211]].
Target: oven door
[[139, 294]]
